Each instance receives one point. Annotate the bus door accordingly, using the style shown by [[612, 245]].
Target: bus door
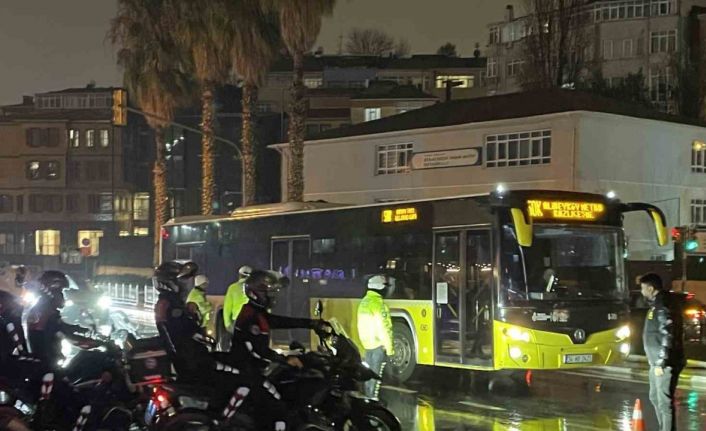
[[463, 275], [291, 256]]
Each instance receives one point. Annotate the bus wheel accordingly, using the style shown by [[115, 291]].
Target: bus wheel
[[401, 365]]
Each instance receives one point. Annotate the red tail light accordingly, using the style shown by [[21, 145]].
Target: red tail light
[[693, 313], [160, 397]]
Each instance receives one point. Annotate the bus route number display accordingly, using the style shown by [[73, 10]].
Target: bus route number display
[[398, 215], [565, 210]]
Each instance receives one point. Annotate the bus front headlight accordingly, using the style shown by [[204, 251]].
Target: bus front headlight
[[623, 333], [517, 334]]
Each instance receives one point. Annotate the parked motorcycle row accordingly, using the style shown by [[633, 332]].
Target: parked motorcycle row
[[117, 381]]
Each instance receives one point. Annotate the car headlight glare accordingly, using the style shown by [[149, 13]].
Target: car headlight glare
[[517, 334], [105, 302], [623, 332]]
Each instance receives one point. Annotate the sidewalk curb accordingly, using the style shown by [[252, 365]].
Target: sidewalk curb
[[690, 363]]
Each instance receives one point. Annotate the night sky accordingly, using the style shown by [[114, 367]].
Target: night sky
[[49, 44]]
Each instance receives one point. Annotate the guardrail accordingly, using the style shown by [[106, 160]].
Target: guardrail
[[150, 296], [122, 293]]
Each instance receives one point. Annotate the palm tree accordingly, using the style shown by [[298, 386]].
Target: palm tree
[[155, 79], [255, 41], [201, 31], [300, 23]]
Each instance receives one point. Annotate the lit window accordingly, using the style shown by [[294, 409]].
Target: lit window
[[52, 170], [90, 138], [90, 240], [492, 67], [463, 81], [141, 231], [372, 114], [34, 170], [518, 149], [698, 211], [313, 82], [141, 206], [74, 136], [698, 156], [663, 41], [104, 138], [47, 242], [394, 158]]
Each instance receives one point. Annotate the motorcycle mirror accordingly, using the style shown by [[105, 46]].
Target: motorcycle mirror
[[319, 310]]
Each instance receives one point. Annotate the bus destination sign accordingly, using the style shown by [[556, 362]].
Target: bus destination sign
[[565, 210], [399, 215]]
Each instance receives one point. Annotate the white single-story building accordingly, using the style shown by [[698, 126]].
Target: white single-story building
[[551, 139]]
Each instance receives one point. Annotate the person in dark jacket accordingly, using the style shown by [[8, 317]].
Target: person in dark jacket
[[663, 341]]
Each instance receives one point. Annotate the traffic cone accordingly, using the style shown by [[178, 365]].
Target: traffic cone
[[638, 424]]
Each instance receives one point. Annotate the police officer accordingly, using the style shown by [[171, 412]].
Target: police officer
[[663, 342], [235, 298], [197, 302], [375, 329]]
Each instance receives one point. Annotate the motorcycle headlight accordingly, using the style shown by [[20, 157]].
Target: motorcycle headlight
[[623, 332], [105, 330], [68, 303], [105, 301]]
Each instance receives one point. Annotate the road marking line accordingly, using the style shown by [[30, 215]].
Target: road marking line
[[482, 406]]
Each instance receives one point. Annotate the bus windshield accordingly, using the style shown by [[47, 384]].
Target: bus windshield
[[563, 263]]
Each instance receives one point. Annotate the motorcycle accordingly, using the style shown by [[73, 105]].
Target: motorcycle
[[324, 395], [14, 410]]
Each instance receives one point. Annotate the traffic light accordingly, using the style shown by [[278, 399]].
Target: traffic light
[[119, 107], [691, 243], [676, 234]]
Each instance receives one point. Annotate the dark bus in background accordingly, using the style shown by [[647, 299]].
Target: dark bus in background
[[515, 280]]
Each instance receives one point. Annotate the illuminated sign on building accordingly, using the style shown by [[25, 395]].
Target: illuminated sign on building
[[399, 215], [540, 209]]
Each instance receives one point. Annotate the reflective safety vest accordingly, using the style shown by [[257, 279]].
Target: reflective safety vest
[[233, 303], [374, 323], [198, 297]]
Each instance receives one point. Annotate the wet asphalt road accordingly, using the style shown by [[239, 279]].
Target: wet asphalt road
[[558, 401]]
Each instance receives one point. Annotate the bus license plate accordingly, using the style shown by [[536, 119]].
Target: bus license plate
[[578, 359]]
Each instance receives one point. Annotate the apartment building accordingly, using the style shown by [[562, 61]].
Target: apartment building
[[551, 139], [71, 183], [655, 37]]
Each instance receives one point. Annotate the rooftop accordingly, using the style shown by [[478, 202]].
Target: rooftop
[[515, 105], [420, 61], [82, 90], [390, 90]]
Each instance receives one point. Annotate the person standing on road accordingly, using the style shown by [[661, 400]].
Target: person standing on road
[[663, 341], [375, 329], [235, 299], [197, 303]]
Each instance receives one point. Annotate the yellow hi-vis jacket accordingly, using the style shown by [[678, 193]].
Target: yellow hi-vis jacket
[[204, 308], [233, 302], [374, 323]]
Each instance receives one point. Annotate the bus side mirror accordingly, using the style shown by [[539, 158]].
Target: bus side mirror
[[660, 227], [319, 309], [523, 227]]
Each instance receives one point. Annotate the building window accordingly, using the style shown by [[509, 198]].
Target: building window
[[663, 41], [141, 206], [72, 203], [660, 84], [313, 82], [627, 48], [6, 203], [698, 211], [494, 35], [90, 138], [661, 7], [74, 138], [90, 239], [607, 49], [47, 242], [141, 231], [97, 170], [53, 137], [37, 137], [34, 170], [463, 81], [20, 204], [519, 149], [609, 11], [104, 138], [7, 243], [100, 203], [73, 171], [393, 158], [514, 67], [52, 170], [492, 67], [372, 114], [698, 156], [46, 203]]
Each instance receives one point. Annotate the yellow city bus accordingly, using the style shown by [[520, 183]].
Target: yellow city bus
[[526, 279]]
